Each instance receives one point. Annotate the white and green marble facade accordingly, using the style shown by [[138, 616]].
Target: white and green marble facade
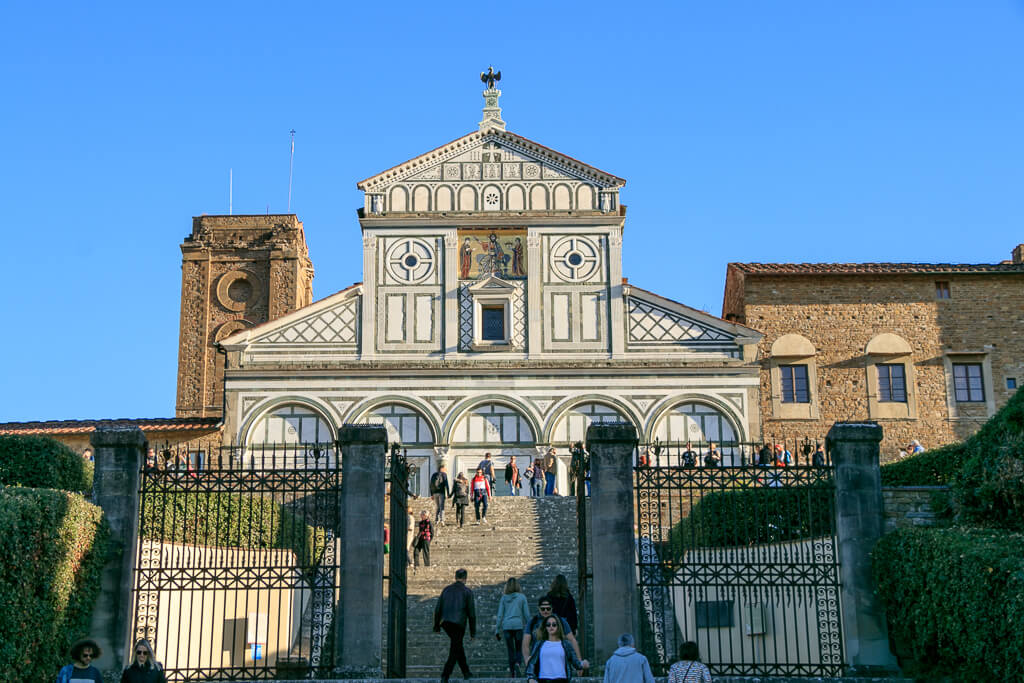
[[404, 346]]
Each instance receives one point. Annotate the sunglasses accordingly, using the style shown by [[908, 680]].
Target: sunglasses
[[545, 608], [85, 655], [141, 652], [551, 624]]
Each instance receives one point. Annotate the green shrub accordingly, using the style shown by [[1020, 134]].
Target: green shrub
[[954, 600], [53, 545], [219, 518], [989, 489], [935, 467], [745, 516], [41, 462]]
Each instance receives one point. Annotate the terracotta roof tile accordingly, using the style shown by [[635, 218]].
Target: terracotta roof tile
[[154, 424], [874, 268]]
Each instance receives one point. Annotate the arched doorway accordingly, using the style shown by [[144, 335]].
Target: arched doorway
[[699, 424], [496, 428], [291, 435], [413, 430]]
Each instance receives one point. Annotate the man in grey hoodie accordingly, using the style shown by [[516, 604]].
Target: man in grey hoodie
[[626, 665]]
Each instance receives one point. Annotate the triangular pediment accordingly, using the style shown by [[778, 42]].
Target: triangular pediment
[[492, 284], [490, 155], [334, 320]]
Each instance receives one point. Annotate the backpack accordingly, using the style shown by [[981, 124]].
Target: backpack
[[424, 534], [435, 483]]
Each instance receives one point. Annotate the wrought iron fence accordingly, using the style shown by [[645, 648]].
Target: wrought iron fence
[[740, 558], [237, 574]]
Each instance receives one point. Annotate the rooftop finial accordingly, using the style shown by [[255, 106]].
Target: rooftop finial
[[492, 112]]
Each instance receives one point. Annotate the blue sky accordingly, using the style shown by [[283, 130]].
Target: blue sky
[[747, 131]]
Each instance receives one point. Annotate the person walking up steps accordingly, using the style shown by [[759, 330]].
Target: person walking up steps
[[513, 615], [512, 477], [481, 489], [487, 465], [454, 610], [563, 603], [460, 498], [626, 665], [439, 491], [424, 534]]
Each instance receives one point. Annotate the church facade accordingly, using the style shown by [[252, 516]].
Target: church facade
[[493, 316]]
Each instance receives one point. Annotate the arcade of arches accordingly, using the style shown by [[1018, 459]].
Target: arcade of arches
[[499, 428]]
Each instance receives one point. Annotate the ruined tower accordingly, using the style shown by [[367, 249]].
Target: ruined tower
[[236, 272]]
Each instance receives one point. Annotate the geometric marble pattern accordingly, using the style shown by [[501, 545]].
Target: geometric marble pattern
[[337, 325], [650, 323]]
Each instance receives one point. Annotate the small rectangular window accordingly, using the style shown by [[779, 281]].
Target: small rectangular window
[[942, 289], [968, 386], [1011, 383], [892, 383], [794, 384], [492, 326], [714, 614]]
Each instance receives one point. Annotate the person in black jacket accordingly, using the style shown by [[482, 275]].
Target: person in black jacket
[[439, 491], [144, 667], [453, 611], [562, 602]]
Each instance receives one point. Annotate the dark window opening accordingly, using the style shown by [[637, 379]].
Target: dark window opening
[[794, 384], [714, 614], [492, 327], [1011, 383], [968, 385], [942, 289], [892, 383]]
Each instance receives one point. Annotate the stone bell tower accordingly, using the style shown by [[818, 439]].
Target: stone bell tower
[[236, 272]]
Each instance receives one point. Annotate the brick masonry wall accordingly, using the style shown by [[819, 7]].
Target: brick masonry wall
[[908, 506], [839, 314]]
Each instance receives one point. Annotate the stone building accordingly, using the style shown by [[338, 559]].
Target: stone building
[[929, 350], [492, 316]]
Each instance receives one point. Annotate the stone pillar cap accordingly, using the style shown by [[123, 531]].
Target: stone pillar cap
[[362, 433], [105, 437], [866, 430], [611, 431]]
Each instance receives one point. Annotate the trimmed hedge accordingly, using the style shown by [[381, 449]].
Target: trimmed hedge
[[955, 601], [53, 545], [42, 462], [936, 467], [746, 516], [222, 519], [990, 487]]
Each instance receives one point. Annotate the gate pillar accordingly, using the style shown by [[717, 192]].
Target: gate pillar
[[854, 452], [119, 453], [361, 526], [611, 520]]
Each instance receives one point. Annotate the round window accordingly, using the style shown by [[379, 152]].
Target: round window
[[410, 260], [575, 258]]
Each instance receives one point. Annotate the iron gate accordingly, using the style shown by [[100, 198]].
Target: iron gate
[[741, 559], [237, 574], [398, 562]]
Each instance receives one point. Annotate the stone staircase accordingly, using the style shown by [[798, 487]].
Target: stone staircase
[[530, 539]]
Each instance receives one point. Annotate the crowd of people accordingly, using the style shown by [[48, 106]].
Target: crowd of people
[[543, 647]]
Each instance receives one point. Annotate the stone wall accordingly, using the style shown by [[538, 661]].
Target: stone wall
[[237, 272], [909, 506], [840, 313]]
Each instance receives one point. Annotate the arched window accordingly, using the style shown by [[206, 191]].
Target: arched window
[[697, 423], [493, 423], [572, 426], [404, 425]]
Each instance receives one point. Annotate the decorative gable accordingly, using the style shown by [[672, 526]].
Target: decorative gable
[[650, 323], [491, 170], [657, 324], [338, 324]]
